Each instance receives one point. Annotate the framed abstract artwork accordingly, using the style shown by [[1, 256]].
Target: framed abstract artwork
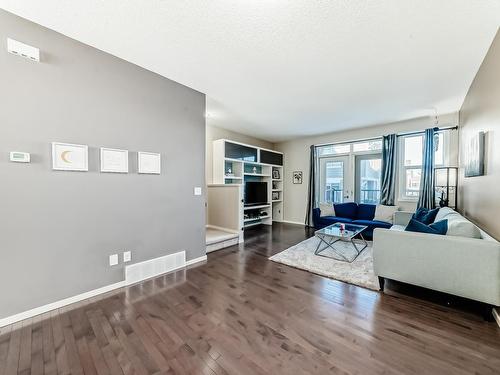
[[474, 156], [114, 160], [149, 162], [70, 157], [297, 177]]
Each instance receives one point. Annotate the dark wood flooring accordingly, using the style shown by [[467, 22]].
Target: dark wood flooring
[[242, 314]]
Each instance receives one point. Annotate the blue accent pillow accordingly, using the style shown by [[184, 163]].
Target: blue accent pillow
[[425, 216], [439, 227], [348, 210]]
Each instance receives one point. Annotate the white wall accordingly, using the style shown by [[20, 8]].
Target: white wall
[[297, 157], [213, 133]]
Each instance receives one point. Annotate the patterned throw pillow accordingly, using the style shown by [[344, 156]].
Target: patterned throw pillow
[[326, 209], [425, 216]]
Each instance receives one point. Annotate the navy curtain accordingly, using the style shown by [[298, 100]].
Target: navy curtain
[[311, 198], [426, 197], [388, 175]]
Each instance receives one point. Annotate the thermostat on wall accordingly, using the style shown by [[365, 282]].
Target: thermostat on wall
[[20, 157]]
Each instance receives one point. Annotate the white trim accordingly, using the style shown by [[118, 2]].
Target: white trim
[[496, 315], [293, 222], [58, 304], [80, 297], [196, 260]]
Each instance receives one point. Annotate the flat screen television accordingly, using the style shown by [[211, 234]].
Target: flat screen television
[[255, 193]]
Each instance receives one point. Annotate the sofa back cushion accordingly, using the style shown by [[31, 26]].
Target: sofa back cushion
[[461, 227], [348, 210], [457, 224], [366, 211]]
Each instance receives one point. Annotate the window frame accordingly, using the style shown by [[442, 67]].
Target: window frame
[[402, 168]]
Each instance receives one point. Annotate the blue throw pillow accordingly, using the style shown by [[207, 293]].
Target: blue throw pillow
[[439, 227], [426, 216]]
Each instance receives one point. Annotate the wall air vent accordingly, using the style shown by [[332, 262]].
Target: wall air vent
[[23, 50]]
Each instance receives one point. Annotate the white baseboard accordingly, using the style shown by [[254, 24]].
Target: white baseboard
[[80, 297], [196, 260], [496, 315], [58, 304], [293, 222]]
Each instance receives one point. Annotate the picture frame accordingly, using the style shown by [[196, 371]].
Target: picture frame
[[148, 162], [297, 177], [114, 160], [474, 156], [70, 157], [275, 196], [276, 174]]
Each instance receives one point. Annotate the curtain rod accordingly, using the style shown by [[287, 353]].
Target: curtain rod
[[379, 137]]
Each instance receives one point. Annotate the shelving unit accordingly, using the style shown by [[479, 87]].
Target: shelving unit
[[237, 163]]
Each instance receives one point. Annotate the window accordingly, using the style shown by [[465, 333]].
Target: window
[[334, 149], [411, 163]]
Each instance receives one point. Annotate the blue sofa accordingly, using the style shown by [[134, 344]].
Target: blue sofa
[[351, 213]]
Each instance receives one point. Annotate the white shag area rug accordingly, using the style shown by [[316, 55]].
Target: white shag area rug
[[359, 272]]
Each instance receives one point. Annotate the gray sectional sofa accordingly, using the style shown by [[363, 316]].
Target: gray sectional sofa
[[464, 262]]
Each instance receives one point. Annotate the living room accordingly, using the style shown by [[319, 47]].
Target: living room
[[265, 187]]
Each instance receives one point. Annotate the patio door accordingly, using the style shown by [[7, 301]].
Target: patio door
[[368, 176], [335, 185]]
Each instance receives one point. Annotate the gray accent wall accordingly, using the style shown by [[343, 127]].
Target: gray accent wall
[[57, 229]]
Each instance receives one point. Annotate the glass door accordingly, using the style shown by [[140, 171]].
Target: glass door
[[334, 181], [368, 171]]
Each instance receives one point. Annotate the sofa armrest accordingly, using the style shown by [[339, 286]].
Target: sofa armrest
[[402, 217], [466, 267]]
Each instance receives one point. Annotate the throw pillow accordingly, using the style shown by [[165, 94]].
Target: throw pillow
[[326, 209], [425, 216], [439, 227], [443, 212], [385, 213]]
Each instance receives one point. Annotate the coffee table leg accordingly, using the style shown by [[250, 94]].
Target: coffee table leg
[[329, 245]]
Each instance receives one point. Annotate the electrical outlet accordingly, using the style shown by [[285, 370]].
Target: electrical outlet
[[127, 256], [113, 259], [197, 190]]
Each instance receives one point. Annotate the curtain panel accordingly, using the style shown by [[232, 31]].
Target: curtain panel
[[388, 174], [426, 196]]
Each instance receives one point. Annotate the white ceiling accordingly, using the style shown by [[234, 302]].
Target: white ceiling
[[281, 69]]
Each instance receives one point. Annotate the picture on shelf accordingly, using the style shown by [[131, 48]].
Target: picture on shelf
[[276, 174], [297, 177], [70, 157], [275, 196]]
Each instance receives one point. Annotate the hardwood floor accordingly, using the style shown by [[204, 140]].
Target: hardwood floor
[[242, 314]]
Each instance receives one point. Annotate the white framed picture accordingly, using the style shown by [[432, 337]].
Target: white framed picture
[[114, 160], [149, 162], [70, 157]]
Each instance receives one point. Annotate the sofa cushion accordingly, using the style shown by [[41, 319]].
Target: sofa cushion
[[439, 227], [336, 219], [373, 223], [425, 216], [461, 227], [326, 209], [348, 210], [385, 213], [443, 212], [366, 211]]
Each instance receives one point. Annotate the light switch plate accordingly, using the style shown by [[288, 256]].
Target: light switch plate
[[20, 157], [197, 190], [113, 259], [127, 256]]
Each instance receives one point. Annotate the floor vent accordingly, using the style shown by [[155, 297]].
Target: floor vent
[[154, 267]]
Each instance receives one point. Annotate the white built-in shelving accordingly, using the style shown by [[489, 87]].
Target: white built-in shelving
[[237, 163]]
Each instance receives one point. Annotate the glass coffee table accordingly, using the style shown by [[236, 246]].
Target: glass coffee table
[[332, 234]]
